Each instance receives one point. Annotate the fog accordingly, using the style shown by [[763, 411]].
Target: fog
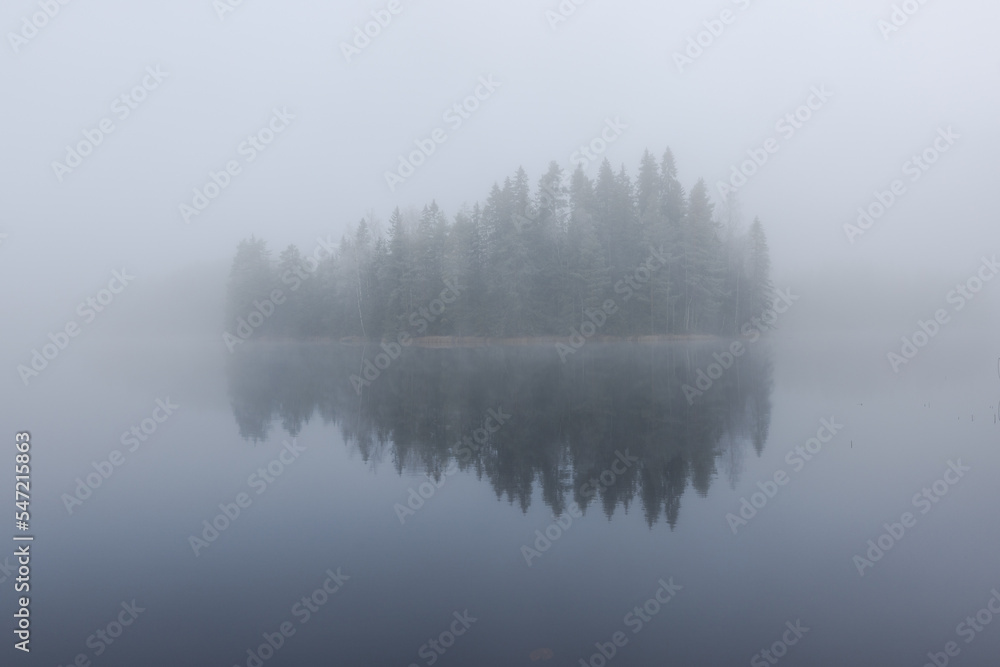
[[557, 87], [145, 143], [557, 81]]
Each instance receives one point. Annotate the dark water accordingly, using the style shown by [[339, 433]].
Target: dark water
[[498, 502]]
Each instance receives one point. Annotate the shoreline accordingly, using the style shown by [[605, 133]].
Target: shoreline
[[489, 341]]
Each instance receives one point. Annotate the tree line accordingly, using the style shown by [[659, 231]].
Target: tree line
[[525, 263]]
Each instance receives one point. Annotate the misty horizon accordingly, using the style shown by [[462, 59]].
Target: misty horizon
[[565, 332]]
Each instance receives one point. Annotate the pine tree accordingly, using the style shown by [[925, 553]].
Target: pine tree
[[673, 209], [702, 278], [648, 187], [760, 287], [398, 275], [589, 271], [546, 244], [292, 273], [251, 278]]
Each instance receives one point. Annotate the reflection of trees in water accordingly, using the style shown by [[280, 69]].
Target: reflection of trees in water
[[568, 420]]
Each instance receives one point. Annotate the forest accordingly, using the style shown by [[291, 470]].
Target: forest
[[525, 264]]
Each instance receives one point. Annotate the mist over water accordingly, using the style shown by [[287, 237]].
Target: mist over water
[[731, 400], [472, 542]]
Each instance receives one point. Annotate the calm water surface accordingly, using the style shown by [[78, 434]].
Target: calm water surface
[[509, 506]]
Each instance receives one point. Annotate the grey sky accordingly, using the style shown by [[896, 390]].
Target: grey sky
[[558, 87]]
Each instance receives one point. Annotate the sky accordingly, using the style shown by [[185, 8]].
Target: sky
[[559, 73]]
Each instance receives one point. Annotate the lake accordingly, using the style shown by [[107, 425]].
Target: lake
[[633, 504]]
